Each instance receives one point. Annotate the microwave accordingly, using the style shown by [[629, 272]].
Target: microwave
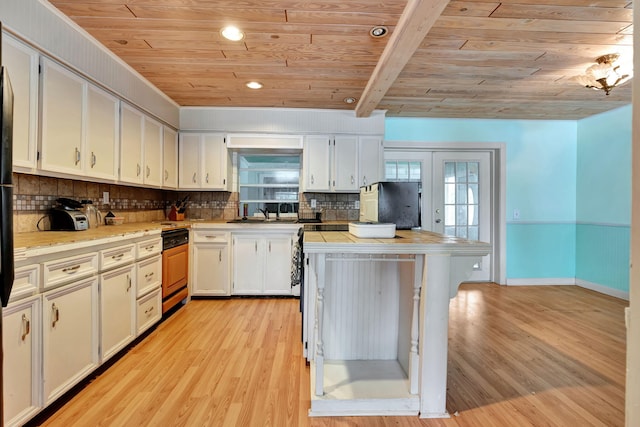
[[391, 202]]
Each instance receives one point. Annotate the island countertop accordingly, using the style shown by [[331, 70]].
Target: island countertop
[[405, 241]]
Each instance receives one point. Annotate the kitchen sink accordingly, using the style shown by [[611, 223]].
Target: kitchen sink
[[263, 221]]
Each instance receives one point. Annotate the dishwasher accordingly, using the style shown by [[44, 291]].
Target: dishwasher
[[175, 267]]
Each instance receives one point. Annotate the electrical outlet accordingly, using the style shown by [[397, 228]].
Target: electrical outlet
[[357, 205], [105, 197], [516, 214], [313, 203]]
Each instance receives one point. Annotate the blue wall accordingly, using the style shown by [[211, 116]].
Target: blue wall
[[603, 204], [552, 182]]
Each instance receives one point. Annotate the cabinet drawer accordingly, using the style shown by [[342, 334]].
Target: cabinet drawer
[[149, 310], [210, 236], [149, 248], [26, 282], [149, 275], [115, 257], [65, 270]]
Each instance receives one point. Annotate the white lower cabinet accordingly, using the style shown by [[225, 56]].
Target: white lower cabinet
[[148, 311], [262, 264], [211, 269], [70, 336], [117, 308], [21, 341]]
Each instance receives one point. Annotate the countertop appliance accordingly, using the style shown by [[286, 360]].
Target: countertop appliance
[[6, 197], [391, 202], [67, 216]]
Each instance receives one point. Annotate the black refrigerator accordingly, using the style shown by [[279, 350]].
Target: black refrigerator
[[6, 202]]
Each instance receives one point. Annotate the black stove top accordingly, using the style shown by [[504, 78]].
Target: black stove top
[[326, 227]]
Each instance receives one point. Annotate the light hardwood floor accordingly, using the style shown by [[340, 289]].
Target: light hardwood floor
[[518, 356]]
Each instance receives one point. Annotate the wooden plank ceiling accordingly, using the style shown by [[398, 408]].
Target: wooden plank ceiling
[[479, 59]]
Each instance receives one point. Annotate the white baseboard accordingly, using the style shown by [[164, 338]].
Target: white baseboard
[[541, 282], [603, 289]]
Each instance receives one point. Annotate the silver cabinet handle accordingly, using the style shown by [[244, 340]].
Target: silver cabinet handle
[[269, 246], [312, 179], [364, 180], [77, 156], [71, 270], [148, 171], [207, 178], [117, 257], [128, 282], [148, 275], [55, 315], [138, 169], [256, 245], [353, 180], [93, 159], [26, 326], [166, 175], [149, 248], [148, 311], [220, 255], [194, 178]]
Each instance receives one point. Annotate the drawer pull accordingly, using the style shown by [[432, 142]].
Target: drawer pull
[[55, 315], [71, 270], [211, 237], [26, 327], [148, 275], [117, 257], [149, 248]]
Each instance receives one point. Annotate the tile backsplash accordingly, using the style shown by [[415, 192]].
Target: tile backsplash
[[34, 195]]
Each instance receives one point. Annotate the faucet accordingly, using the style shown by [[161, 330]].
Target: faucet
[[265, 212]]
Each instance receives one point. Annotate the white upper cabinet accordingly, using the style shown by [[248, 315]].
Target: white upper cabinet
[[316, 159], [102, 135], [131, 134], [79, 125], [22, 64], [203, 162], [152, 153], [62, 116], [170, 158], [341, 163]]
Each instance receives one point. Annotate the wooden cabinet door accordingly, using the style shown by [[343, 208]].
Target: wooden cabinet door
[[248, 264], [152, 152], [369, 160], [21, 381], [190, 159], [70, 339], [117, 308], [277, 277], [210, 269], [102, 134], [345, 164], [214, 173], [62, 119], [316, 163], [175, 269], [170, 158], [22, 64], [131, 144]]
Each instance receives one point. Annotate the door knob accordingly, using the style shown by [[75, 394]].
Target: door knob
[[438, 221]]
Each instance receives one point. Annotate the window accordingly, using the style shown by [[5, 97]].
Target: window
[[268, 182], [402, 170]]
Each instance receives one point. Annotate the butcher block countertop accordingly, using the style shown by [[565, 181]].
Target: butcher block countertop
[[405, 242]]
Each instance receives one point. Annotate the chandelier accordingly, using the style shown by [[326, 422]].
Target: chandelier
[[605, 74]]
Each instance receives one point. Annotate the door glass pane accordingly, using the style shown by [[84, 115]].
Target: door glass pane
[[461, 199], [414, 171], [390, 171], [403, 171]]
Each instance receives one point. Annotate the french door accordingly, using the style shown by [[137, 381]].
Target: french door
[[456, 194]]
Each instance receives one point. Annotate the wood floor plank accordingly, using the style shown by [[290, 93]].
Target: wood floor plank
[[518, 356]]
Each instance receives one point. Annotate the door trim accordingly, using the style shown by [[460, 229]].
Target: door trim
[[498, 154]]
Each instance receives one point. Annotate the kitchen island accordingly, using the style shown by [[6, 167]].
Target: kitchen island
[[375, 320]]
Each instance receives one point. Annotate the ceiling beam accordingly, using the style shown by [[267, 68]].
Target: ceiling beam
[[417, 19]]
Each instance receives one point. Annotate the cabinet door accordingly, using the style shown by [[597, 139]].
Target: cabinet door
[[210, 269], [102, 135], [70, 338], [369, 160], [214, 173], [117, 308], [62, 117], [316, 163], [190, 159], [170, 158], [248, 264], [131, 134], [345, 163], [21, 365], [277, 278], [22, 64], [152, 152]]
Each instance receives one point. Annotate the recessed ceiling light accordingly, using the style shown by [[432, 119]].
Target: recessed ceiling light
[[349, 100], [378, 31], [232, 33], [254, 85]]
